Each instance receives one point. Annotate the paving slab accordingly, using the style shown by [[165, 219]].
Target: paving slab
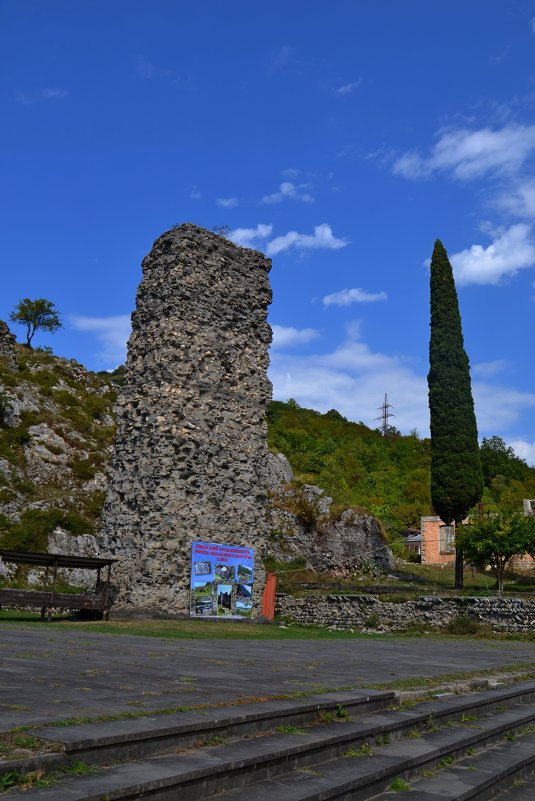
[[48, 674]]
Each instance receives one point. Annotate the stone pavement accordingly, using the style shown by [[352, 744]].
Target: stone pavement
[[47, 674]]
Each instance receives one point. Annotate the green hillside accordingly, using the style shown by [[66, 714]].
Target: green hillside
[[387, 476]]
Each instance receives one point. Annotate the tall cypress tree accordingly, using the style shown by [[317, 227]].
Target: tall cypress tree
[[456, 475]]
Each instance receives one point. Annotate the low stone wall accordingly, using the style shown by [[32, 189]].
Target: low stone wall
[[367, 612]]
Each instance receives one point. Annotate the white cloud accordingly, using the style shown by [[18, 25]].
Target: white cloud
[[469, 153], [533, 24], [111, 332], [283, 336], [525, 450], [246, 237], [54, 94], [347, 88], [29, 99], [519, 199], [510, 252], [347, 296], [227, 202], [195, 193], [289, 191], [148, 70], [322, 238], [291, 172], [486, 369], [498, 407]]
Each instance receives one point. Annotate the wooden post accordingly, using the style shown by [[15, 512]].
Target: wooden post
[[105, 610], [52, 594], [45, 582]]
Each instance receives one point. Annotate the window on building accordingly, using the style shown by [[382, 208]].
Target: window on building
[[447, 539]]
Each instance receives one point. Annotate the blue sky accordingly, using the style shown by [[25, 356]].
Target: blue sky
[[339, 137]]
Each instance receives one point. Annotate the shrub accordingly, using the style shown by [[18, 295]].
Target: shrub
[[35, 527], [82, 469], [4, 410], [463, 625], [93, 504]]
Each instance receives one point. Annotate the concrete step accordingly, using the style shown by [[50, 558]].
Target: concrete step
[[136, 738], [522, 789], [308, 764], [497, 773], [367, 776]]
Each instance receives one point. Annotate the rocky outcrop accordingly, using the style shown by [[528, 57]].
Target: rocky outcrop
[[302, 525], [55, 439], [7, 344], [190, 459]]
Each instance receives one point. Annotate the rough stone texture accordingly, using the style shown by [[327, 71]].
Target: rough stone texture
[[7, 343], [190, 458], [302, 526], [366, 611], [63, 542]]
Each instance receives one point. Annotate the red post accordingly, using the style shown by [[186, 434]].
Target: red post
[[268, 599]]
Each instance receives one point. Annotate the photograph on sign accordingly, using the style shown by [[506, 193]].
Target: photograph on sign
[[225, 572], [224, 599], [203, 598]]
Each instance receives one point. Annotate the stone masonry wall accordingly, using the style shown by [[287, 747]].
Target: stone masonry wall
[[365, 611], [190, 456]]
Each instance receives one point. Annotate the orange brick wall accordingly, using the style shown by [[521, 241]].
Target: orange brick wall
[[431, 543]]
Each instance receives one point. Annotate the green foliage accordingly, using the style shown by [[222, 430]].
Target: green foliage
[[495, 537], [93, 504], [497, 459], [12, 441], [357, 467], [456, 475], [4, 410], [399, 785], [114, 376], [36, 315], [83, 469], [463, 625], [35, 526]]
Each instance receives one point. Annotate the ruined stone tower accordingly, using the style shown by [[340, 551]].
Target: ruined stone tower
[[190, 460]]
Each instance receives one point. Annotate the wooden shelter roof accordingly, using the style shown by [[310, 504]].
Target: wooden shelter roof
[[54, 559]]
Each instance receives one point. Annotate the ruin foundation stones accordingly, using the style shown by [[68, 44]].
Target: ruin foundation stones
[[190, 457]]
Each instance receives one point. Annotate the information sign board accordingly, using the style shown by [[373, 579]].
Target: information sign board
[[221, 580]]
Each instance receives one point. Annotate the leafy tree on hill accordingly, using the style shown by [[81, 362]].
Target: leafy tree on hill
[[456, 475], [36, 315], [497, 459]]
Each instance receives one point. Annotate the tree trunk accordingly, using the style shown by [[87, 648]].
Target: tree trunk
[[459, 570]]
